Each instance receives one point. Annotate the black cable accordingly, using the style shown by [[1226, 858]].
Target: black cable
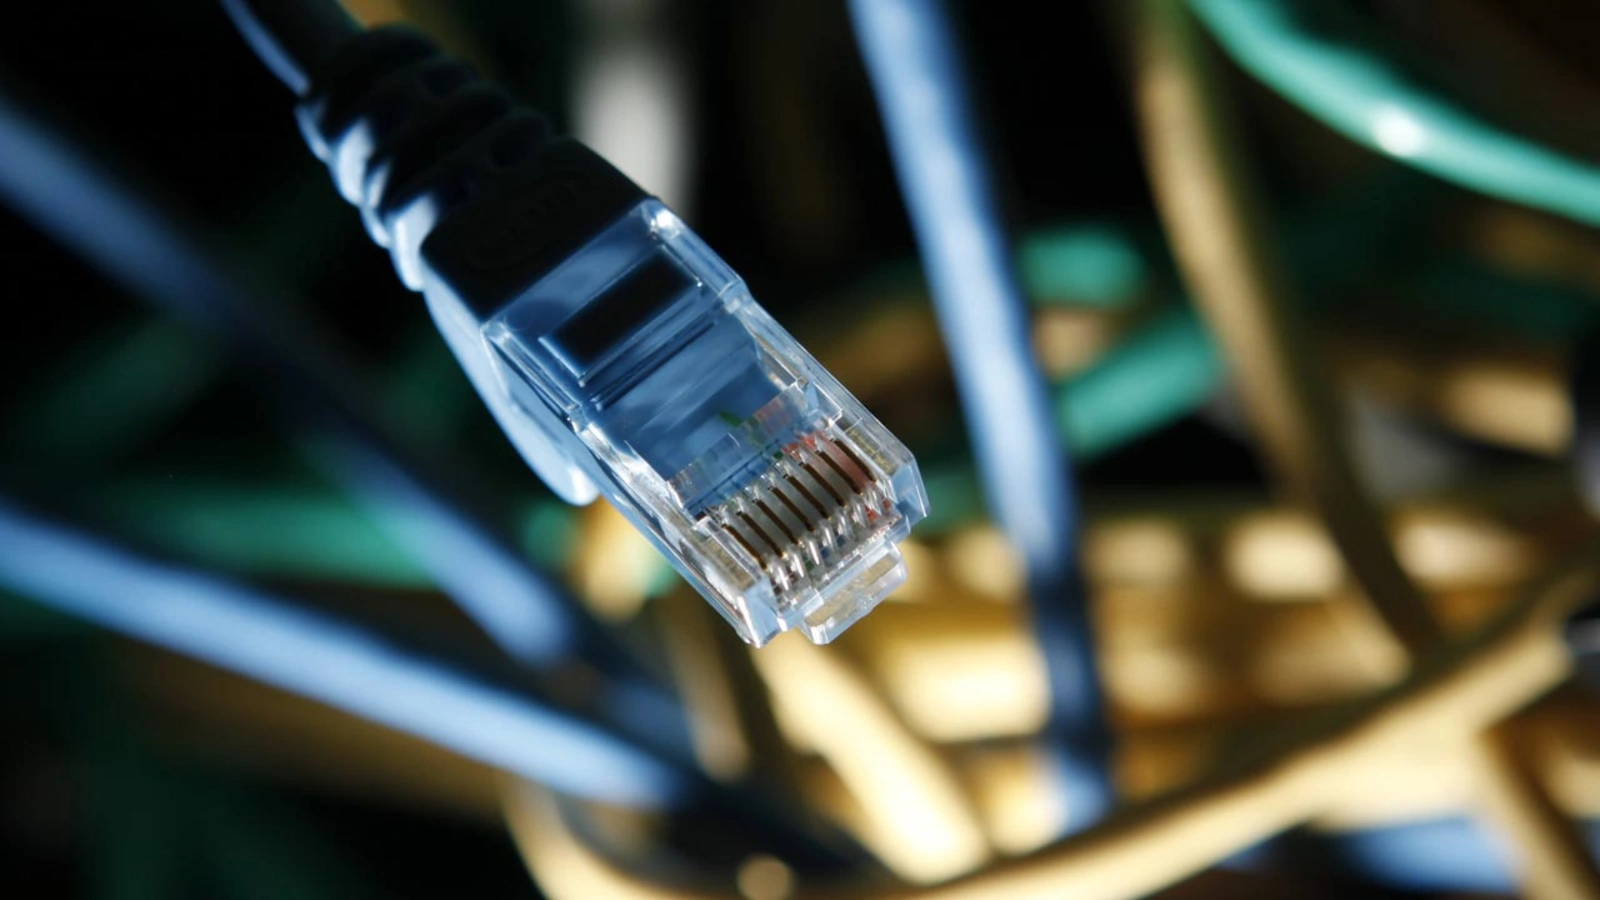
[[157, 254], [153, 252], [292, 37]]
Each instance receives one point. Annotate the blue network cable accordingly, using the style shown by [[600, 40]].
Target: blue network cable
[[1438, 855], [148, 250], [913, 62], [490, 712], [346, 666]]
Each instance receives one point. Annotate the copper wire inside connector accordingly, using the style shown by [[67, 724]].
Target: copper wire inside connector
[[818, 499]]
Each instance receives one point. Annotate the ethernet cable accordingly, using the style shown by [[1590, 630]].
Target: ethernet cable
[[305, 651], [1209, 202], [1504, 666], [618, 352], [913, 63], [145, 247], [148, 249], [1316, 54], [493, 712], [138, 376]]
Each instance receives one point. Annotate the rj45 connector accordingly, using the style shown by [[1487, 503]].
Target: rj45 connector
[[643, 359]]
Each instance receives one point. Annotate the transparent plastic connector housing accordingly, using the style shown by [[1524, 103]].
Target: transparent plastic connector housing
[[642, 367]]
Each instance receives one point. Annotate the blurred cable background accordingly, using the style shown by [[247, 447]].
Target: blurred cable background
[[1247, 348]]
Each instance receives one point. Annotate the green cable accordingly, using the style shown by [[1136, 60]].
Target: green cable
[[1326, 60], [1155, 376], [112, 391], [1086, 265], [279, 529], [424, 388], [289, 530]]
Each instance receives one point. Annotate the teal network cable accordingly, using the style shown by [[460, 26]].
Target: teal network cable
[[1323, 58]]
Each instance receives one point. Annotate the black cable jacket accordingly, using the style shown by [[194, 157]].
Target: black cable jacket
[[292, 36], [157, 253]]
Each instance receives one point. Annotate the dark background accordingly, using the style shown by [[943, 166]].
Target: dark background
[[793, 187]]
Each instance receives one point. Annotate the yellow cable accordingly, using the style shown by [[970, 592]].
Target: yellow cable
[[565, 867], [919, 819], [1211, 209], [1212, 214], [1465, 689], [1144, 849], [730, 721]]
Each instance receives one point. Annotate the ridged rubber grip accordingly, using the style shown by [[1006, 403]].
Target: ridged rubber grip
[[409, 134]]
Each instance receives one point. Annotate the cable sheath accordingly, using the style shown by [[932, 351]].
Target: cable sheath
[[913, 61], [292, 36], [298, 649]]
